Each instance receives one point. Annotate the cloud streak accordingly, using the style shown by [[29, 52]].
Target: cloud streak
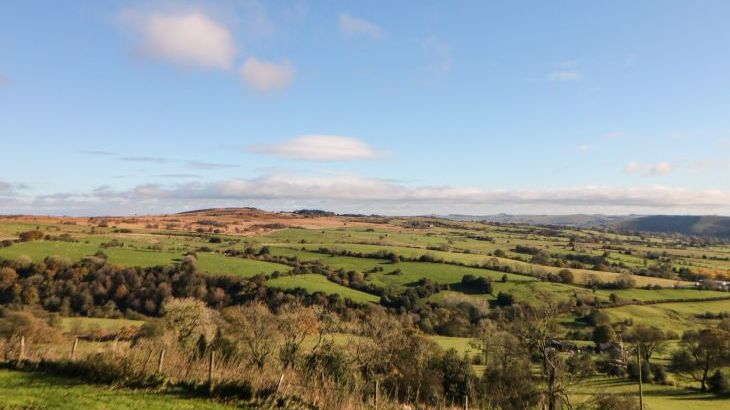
[[353, 26], [650, 170], [318, 148]]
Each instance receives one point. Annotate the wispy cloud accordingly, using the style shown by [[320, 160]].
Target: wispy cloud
[[585, 147], [96, 152], [191, 39], [179, 176], [614, 135], [566, 71], [438, 53], [266, 76], [8, 190], [655, 169], [318, 148], [354, 26], [564, 75], [151, 160], [209, 165], [708, 165]]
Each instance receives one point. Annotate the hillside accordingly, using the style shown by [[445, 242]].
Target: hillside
[[574, 220], [706, 226]]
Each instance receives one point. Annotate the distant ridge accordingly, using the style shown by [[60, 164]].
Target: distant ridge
[[574, 220], [705, 226]]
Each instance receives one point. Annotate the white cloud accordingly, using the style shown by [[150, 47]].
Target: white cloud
[[352, 193], [354, 26], [267, 76], [318, 148], [585, 147], [189, 39], [656, 169]]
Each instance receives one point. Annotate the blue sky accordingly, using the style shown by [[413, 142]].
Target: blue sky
[[388, 107]]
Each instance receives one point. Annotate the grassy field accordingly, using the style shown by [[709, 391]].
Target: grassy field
[[656, 397], [216, 263], [93, 323], [317, 283], [37, 391], [670, 316]]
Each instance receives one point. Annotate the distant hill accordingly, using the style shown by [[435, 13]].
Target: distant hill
[[575, 220], [706, 226]]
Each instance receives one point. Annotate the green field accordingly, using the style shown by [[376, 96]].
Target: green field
[[37, 391], [318, 283], [218, 264], [670, 316]]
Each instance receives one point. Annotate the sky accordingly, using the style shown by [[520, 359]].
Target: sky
[[408, 107]]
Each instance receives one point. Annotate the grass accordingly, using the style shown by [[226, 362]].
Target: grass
[[216, 263], [38, 391], [645, 295], [313, 282], [670, 316], [656, 397], [460, 344], [90, 323], [74, 251]]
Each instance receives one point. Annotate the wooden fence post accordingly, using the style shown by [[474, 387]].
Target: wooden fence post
[[211, 365], [21, 353], [74, 347], [160, 361], [377, 393]]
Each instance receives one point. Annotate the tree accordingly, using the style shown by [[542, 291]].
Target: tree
[[649, 340], [296, 324], [536, 331], [188, 319], [603, 334], [455, 373], [509, 385], [256, 328], [702, 352]]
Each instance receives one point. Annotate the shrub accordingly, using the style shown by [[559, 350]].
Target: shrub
[[615, 402], [718, 383], [28, 236]]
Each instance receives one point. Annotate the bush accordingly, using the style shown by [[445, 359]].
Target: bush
[[615, 402], [476, 284], [236, 390], [658, 373], [504, 299], [718, 383], [633, 371], [603, 334], [566, 276], [105, 369], [28, 236]]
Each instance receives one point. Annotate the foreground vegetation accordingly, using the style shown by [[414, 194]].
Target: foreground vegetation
[[428, 311]]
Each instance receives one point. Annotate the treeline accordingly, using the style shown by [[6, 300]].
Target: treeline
[[92, 287]]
